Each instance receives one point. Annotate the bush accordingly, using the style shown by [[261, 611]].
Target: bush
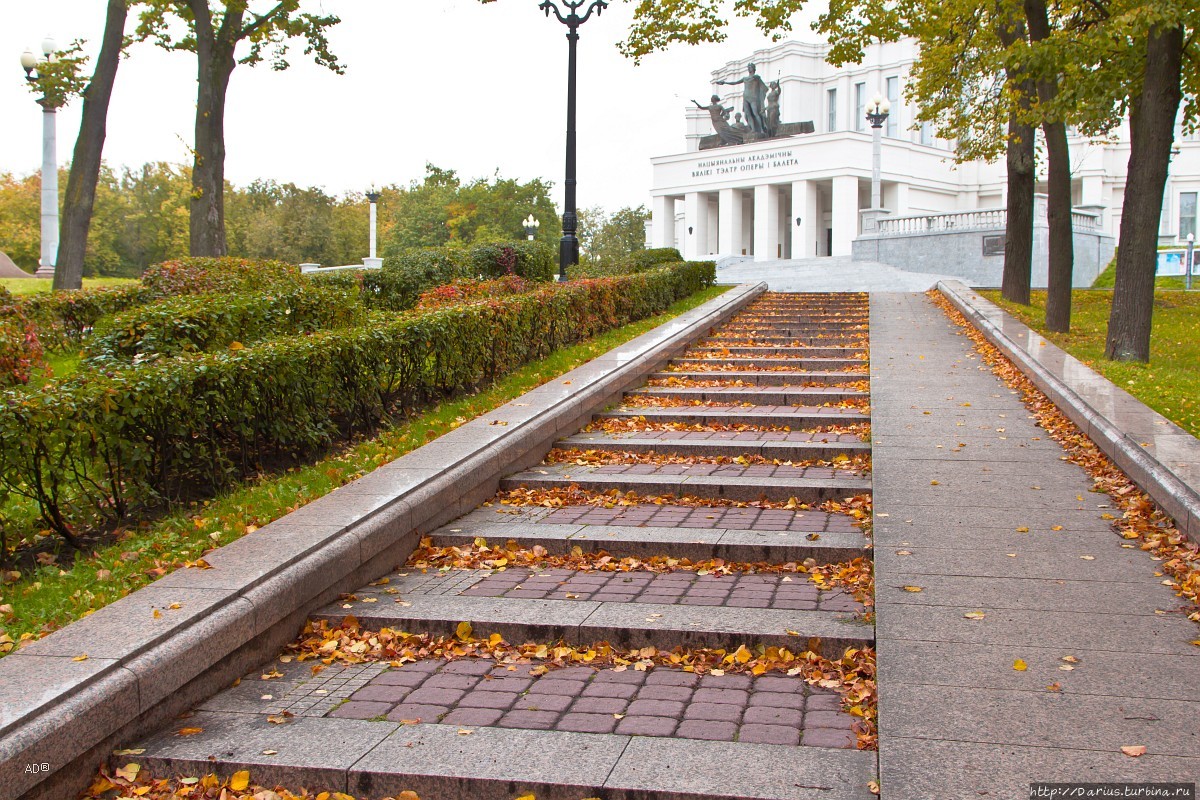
[[20, 349], [63, 319], [225, 275], [209, 322], [654, 257], [638, 261], [467, 291], [106, 441]]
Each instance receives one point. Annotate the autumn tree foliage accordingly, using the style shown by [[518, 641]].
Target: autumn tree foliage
[[214, 30]]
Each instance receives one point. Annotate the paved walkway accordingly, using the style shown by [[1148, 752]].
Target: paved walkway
[[974, 506], [835, 274]]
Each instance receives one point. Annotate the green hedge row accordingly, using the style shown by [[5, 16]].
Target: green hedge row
[[404, 277], [106, 441], [637, 261], [207, 322], [63, 319]]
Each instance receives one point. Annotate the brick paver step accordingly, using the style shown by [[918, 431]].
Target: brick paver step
[[803, 447], [761, 377], [794, 329], [707, 481], [792, 416], [583, 622], [384, 758], [801, 364], [697, 544], [781, 396], [848, 339], [745, 518], [825, 351]]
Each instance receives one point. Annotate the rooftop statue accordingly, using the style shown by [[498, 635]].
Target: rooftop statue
[[720, 121], [754, 99]]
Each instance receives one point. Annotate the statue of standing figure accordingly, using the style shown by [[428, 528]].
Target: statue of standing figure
[[773, 108], [754, 98], [720, 121]]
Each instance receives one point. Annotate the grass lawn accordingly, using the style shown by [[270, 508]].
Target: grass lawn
[[51, 596], [36, 286], [1170, 383]]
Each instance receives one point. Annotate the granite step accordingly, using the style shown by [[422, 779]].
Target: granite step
[[841, 340], [781, 396], [794, 417], [795, 329], [434, 603], [764, 377], [789, 446], [696, 544]]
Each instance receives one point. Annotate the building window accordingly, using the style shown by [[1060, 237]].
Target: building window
[[860, 106], [1187, 214], [893, 96], [832, 121], [926, 134]]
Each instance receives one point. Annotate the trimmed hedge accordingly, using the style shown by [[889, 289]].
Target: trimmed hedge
[[104, 442], [208, 322], [635, 262], [404, 277], [468, 291], [20, 348], [199, 275], [63, 319]]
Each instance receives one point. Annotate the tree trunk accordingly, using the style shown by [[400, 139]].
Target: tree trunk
[[1151, 133], [1058, 157], [1020, 157], [89, 148], [214, 66]]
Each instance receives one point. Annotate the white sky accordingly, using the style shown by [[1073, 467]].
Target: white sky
[[465, 86]]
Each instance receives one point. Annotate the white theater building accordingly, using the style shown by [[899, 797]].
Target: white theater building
[[801, 196]]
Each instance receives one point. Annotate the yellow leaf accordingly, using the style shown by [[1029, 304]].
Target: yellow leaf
[[526, 797], [157, 614], [1056, 527], [495, 639], [913, 589], [1023, 529], [1133, 751], [240, 780], [742, 655], [463, 631], [80, 657], [934, 483], [190, 731], [974, 615], [1020, 666], [408, 795], [129, 772], [237, 346]]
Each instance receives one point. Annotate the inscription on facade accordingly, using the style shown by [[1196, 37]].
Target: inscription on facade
[[993, 245], [736, 165]]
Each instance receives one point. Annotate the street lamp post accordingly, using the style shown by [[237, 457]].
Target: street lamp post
[[877, 114], [372, 261], [531, 226], [49, 255], [568, 246]]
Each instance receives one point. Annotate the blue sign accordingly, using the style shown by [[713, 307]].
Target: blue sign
[[1170, 262]]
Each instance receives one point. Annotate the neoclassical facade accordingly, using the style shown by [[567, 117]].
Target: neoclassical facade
[[801, 196]]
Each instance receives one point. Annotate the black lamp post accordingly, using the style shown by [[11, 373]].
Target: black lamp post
[[568, 246]]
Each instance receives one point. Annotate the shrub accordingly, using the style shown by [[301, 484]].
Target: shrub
[[20, 349], [654, 257], [204, 275], [101, 442], [638, 261], [208, 322], [466, 291], [63, 319]]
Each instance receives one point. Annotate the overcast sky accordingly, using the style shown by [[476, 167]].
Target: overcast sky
[[465, 86]]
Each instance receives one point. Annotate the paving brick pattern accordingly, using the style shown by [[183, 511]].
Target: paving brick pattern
[[683, 587], [729, 471], [718, 411], [765, 519], [659, 702], [741, 436]]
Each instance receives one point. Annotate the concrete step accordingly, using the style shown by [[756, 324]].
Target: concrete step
[[797, 447], [830, 351], [764, 377], [840, 340], [782, 396], [696, 544], [707, 481], [798, 364], [435, 603], [795, 417], [795, 329]]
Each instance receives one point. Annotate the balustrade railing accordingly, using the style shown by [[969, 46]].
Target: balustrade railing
[[973, 220]]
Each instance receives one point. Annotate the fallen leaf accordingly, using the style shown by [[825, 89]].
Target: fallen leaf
[[157, 614], [240, 780], [129, 772], [80, 657], [913, 588], [1133, 751], [463, 631], [974, 615], [465, 731], [1020, 666], [189, 731], [136, 752], [1070, 659], [1023, 529], [1056, 527], [270, 752], [408, 795], [1054, 687]]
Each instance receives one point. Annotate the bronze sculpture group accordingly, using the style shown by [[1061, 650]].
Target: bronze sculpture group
[[760, 105]]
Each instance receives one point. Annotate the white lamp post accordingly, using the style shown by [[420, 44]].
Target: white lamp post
[[877, 114], [531, 226], [49, 255], [373, 262]]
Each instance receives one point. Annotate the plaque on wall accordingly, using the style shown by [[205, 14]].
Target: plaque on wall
[[993, 245]]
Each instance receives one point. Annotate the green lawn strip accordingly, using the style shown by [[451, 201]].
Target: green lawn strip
[[37, 603], [1170, 383], [41, 285], [1108, 278]]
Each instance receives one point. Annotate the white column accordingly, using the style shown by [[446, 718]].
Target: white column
[[49, 194], [729, 240], [696, 218], [804, 207], [712, 245], [902, 204], [845, 213], [662, 222], [766, 223]]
